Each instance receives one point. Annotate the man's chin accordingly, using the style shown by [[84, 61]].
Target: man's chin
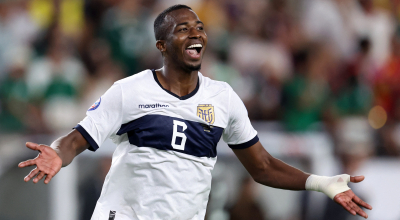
[[193, 67]]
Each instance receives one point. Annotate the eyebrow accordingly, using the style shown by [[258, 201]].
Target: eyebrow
[[185, 23]]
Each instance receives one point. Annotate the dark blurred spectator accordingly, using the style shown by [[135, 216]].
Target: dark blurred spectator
[[93, 12], [391, 133], [105, 72], [246, 206], [278, 21], [126, 27], [306, 95], [387, 90], [263, 61], [387, 95], [377, 25], [14, 98], [352, 86]]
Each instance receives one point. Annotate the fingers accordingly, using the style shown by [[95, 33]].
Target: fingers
[[31, 174], [39, 177], [31, 162], [43, 171], [27, 163], [348, 208], [356, 179], [32, 146], [362, 203], [346, 200], [48, 178], [40, 174], [355, 208]]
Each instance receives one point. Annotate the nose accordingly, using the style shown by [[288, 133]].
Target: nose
[[194, 33]]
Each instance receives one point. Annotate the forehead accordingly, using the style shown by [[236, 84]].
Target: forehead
[[180, 16]]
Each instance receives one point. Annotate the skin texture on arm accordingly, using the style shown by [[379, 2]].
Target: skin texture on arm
[[272, 172], [51, 158], [69, 146]]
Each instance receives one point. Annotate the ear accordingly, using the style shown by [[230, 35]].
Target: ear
[[160, 44]]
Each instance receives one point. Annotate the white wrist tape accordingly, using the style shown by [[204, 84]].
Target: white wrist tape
[[328, 185]]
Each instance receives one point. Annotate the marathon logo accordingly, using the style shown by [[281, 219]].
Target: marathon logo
[[157, 105]]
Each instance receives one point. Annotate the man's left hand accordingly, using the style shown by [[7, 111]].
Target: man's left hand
[[350, 201]]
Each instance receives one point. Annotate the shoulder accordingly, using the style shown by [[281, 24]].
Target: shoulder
[[132, 84], [221, 91], [215, 86], [137, 79]]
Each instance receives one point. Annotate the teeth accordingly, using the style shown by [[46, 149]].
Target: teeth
[[194, 45]]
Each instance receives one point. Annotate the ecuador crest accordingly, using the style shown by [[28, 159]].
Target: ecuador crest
[[206, 112]]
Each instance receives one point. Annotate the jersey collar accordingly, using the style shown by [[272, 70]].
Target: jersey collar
[[173, 94]]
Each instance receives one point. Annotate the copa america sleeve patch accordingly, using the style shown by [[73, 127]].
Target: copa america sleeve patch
[[95, 105]]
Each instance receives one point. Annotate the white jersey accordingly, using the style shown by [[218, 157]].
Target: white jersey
[[161, 168]]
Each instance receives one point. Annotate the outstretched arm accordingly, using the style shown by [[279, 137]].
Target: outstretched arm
[[272, 172], [50, 159]]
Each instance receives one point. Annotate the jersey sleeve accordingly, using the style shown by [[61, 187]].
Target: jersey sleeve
[[103, 118], [239, 133]]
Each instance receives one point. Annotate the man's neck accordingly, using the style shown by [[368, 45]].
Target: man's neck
[[177, 80]]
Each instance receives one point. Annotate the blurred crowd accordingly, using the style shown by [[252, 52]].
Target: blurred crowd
[[310, 65]]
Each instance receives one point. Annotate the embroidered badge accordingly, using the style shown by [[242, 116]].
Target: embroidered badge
[[206, 112]]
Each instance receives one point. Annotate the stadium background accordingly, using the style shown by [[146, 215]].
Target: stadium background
[[320, 80]]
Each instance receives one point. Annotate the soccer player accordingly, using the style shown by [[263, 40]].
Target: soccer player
[[167, 124]]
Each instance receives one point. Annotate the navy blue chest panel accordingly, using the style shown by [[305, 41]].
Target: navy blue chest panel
[[170, 133]]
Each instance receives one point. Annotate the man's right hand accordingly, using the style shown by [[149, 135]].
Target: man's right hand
[[48, 163]]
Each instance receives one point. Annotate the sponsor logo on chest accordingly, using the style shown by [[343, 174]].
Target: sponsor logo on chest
[[156, 105]]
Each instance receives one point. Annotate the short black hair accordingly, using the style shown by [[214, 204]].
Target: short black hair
[[160, 30]]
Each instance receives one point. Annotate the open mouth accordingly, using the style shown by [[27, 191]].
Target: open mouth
[[194, 50]]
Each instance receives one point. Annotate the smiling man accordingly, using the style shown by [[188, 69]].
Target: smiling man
[[167, 124]]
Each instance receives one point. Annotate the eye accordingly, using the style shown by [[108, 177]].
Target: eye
[[200, 28], [183, 29]]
